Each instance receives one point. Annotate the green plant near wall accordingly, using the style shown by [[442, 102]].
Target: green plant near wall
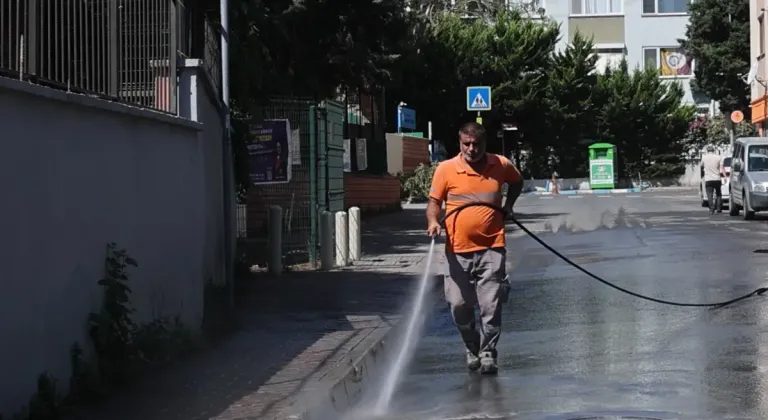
[[122, 348], [112, 329], [717, 130], [416, 187]]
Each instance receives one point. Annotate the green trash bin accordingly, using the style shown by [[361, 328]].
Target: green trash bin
[[603, 168]]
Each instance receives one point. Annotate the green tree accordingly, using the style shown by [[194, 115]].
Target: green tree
[[520, 59], [312, 47], [644, 117], [696, 138], [717, 37], [717, 130], [510, 54], [572, 81]]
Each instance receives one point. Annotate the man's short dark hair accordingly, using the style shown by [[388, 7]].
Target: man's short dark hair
[[474, 130]]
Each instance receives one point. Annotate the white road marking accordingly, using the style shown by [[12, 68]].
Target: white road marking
[[605, 196], [673, 197], [740, 229], [549, 197], [575, 196], [633, 196]]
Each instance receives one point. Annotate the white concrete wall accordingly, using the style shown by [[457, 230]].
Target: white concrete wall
[[76, 173], [691, 178], [564, 184], [394, 153], [198, 102]]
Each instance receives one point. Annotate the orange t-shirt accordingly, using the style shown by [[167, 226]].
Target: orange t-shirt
[[456, 183]]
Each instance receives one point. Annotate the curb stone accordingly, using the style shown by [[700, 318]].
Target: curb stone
[[344, 385], [672, 188], [590, 192]]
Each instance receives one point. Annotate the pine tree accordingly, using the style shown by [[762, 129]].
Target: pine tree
[[717, 37]]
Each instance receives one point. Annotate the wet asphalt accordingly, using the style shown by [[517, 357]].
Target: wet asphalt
[[572, 348]]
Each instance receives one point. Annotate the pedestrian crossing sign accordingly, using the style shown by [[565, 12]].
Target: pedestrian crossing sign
[[479, 98]]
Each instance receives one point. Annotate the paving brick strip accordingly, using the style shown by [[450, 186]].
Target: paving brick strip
[[307, 344]]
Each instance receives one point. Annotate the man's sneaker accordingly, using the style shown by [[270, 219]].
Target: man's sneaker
[[473, 362], [488, 364]]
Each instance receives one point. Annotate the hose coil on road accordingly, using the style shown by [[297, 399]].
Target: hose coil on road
[[714, 305]]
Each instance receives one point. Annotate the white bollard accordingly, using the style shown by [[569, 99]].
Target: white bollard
[[275, 240], [342, 239], [326, 240], [355, 235]]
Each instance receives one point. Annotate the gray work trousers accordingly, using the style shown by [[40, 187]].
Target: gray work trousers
[[477, 278]]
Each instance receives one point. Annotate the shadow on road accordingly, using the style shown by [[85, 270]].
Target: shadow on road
[[288, 328]]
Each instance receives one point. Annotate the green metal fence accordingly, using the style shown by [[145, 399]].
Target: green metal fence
[[330, 129], [317, 181]]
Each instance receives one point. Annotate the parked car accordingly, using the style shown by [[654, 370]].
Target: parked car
[[724, 188], [749, 177]]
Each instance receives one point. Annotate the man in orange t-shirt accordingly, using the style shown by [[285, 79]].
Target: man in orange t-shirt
[[475, 247]]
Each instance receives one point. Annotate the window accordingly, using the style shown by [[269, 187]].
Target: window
[[762, 35], [596, 7], [665, 6], [758, 158], [670, 62], [608, 58]]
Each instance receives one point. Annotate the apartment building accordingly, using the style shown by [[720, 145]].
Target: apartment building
[[646, 32], [757, 40]]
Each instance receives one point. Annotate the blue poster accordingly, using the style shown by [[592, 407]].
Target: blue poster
[[269, 152]]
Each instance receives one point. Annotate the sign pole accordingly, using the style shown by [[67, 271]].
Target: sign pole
[[432, 151], [503, 144], [479, 118]]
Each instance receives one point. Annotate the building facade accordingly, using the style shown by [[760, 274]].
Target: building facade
[[757, 40], [646, 32]]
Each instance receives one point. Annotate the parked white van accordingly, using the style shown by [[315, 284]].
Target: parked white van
[[749, 176]]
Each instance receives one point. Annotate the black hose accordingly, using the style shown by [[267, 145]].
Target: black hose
[[758, 292]]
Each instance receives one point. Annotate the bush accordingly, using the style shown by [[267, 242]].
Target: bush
[[415, 187]]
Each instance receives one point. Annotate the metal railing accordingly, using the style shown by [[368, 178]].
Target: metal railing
[[124, 50]]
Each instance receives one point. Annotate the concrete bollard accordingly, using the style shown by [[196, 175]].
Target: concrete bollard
[[326, 240], [355, 235], [275, 243], [342, 239]]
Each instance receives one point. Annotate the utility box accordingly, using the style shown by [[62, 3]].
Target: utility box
[[603, 166]]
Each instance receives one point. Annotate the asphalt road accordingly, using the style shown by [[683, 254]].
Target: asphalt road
[[575, 349]]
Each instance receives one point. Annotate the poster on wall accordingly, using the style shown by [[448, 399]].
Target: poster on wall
[[269, 152]]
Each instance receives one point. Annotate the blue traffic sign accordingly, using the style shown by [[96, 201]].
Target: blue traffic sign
[[478, 98], [406, 118]]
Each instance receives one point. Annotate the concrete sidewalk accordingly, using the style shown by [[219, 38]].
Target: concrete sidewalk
[[305, 340]]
